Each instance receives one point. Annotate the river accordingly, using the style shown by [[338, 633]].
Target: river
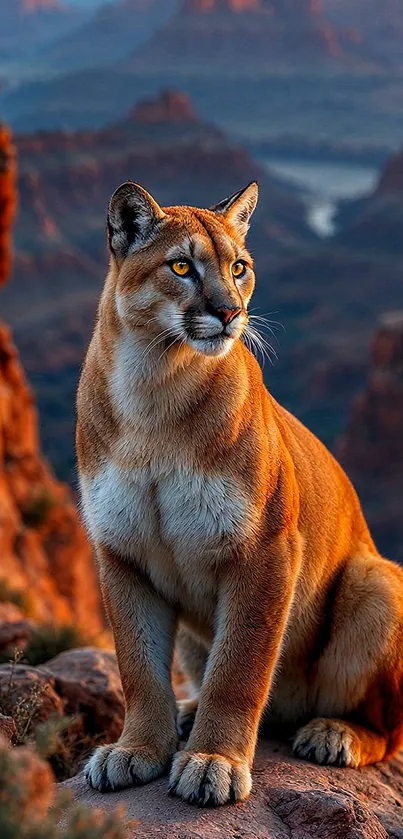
[[322, 185]]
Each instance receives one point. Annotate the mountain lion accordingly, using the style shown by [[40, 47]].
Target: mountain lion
[[223, 524]]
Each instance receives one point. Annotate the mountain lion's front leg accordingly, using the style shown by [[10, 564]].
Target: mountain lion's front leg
[[254, 602], [143, 626]]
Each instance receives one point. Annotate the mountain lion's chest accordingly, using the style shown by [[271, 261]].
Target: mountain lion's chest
[[176, 522]]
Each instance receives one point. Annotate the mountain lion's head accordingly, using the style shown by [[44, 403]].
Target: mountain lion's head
[[182, 273]]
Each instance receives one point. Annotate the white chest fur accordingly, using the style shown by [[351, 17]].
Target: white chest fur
[[175, 523]]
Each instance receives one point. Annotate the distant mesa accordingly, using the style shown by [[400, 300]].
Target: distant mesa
[[39, 5], [245, 36], [168, 106]]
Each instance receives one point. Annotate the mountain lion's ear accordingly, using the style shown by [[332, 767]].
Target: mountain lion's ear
[[239, 207], [132, 216]]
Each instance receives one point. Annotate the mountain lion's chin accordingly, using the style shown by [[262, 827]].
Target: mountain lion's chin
[[219, 345]]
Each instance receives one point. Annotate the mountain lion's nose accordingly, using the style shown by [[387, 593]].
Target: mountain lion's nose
[[227, 315]]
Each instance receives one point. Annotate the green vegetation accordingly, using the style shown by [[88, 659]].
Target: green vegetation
[[48, 641], [11, 595], [37, 511]]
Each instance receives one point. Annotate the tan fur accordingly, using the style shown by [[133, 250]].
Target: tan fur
[[214, 511]]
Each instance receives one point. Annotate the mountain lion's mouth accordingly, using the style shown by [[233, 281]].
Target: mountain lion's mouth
[[218, 344]]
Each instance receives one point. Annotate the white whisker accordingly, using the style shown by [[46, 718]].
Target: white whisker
[[158, 339]]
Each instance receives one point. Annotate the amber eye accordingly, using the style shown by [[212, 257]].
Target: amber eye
[[238, 269], [181, 267]]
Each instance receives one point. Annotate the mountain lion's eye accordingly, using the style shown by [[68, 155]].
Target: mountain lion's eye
[[181, 267], [238, 269]]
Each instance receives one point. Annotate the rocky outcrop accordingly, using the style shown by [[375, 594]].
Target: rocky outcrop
[[44, 550], [371, 448], [290, 798]]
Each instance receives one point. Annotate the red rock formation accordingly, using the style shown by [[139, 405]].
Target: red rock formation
[[7, 199], [44, 550]]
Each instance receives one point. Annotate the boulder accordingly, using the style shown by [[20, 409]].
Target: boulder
[[291, 799], [31, 694], [88, 682], [15, 628]]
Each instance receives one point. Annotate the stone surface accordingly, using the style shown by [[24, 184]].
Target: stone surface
[[291, 799], [88, 681]]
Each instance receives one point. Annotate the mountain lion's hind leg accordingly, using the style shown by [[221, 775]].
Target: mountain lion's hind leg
[[359, 681], [143, 627], [193, 659], [332, 742]]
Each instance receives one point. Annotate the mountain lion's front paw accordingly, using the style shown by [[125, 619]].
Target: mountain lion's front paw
[[115, 767], [209, 780]]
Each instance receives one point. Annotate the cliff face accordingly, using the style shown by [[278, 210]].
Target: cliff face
[[110, 34], [374, 223], [7, 200], [372, 447], [379, 23], [238, 37], [44, 551]]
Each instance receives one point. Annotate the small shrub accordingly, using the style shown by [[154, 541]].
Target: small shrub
[[48, 641], [62, 741], [27, 789], [37, 511], [23, 710]]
